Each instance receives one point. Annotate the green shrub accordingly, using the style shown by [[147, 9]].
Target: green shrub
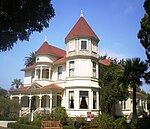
[[104, 121], [60, 113], [21, 126], [120, 123], [68, 127], [24, 120], [143, 123]]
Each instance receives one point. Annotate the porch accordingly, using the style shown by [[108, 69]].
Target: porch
[[35, 103]]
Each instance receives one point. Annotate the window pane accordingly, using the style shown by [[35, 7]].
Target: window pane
[[83, 44], [60, 73], [94, 69], [71, 99], [94, 100], [71, 68], [84, 100]]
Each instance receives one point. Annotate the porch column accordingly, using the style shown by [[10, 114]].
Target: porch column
[[40, 99], [51, 102], [19, 98], [97, 100], [20, 104], [11, 97], [30, 97], [140, 102]]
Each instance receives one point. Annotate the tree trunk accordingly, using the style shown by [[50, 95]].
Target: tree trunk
[[134, 117]]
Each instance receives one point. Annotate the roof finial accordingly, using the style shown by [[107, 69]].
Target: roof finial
[[81, 14], [45, 39]]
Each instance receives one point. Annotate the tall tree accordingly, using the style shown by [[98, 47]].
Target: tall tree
[[20, 18], [144, 35], [30, 60], [3, 91], [112, 90], [134, 71], [17, 83]]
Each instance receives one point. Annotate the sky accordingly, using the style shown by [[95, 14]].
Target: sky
[[115, 22]]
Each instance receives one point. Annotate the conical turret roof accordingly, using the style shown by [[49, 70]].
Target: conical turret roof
[[81, 29]]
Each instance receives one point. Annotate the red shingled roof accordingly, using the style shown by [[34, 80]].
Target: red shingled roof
[[60, 60], [104, 61], [81, 29], [23, 88], [52, 86], [29, 67], [49, 49]]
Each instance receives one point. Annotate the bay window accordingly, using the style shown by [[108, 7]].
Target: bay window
[[83, 99], [71, 99]]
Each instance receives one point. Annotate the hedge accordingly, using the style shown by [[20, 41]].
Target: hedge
[[68, 127], [21, 126]]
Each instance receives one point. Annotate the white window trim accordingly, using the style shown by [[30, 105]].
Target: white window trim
[[59, 73], [71, 68], [87, 44]]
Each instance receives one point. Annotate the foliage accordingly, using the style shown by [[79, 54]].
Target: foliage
[[143, 123], [134, 70], [30, 60], [3, 91], [20, 18], [9, 109], [68, 127], [120, 123], [112, 90], [144, 35], [17, 83], [148, 102], [60, 114], [104, 121], [21, 126], [24, 120]]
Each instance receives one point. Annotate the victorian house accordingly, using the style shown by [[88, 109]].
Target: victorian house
[[67, 78]]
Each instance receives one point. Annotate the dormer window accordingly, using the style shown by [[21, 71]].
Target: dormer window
[[84, 45]]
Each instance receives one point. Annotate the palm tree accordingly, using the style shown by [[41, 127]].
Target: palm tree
[[30, 60], [17, 83], [134, 70]]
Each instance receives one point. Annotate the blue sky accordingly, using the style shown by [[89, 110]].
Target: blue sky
[[116, 23]]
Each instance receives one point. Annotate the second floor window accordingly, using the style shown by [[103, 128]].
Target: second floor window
[[94, 69], [60, 73], [71, 68], [84, 45]]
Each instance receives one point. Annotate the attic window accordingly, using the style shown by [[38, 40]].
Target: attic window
[[83, 45]]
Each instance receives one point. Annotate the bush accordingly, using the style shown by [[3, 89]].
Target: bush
[[120, 123], [68, 127], [143, 123], [60, 114], [104, 121], [24, 120], [21, 126]]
